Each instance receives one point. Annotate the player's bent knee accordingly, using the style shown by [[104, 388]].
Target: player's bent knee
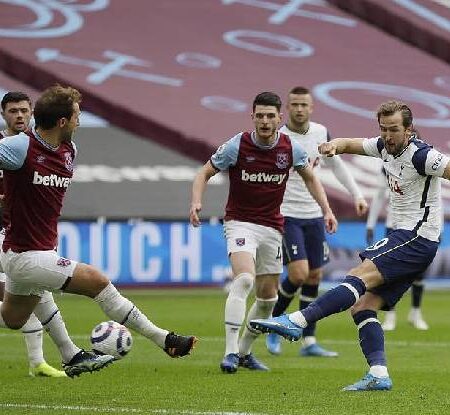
[[12, 321], [87, 280]]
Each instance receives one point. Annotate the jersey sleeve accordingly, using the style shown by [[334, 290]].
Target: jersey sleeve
[[226, 155], [430, 162], [13, 151], [299, 156], [373, 146]]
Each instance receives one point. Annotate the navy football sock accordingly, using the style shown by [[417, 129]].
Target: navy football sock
[[416, 294], [335, 300], [286, 293], [308, 294], [371, 337]]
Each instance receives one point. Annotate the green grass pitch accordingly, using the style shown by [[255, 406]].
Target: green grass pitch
[[147, 381]]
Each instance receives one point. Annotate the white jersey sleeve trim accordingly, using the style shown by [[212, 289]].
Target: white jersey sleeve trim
[[13, 151]]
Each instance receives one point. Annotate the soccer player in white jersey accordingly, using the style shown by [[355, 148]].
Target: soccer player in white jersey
[[305, 249], [415, 316], [388, 268], [17, 112], [38, 168], [258, 165]]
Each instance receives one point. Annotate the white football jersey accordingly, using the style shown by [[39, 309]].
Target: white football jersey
[[298, 202], [415, 188]]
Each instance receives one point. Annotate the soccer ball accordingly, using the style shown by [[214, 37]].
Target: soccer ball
[[111, 338]]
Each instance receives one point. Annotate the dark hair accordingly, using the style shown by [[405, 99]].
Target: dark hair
[[267, 99], [14, 96], [299, 90], [55, 103], [391, 107]]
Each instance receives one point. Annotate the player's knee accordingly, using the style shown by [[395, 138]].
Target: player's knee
[[12, 321], [314, 277], [242, 284], [297, 276]]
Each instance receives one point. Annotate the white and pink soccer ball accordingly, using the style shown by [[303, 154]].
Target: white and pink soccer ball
[[110, 337]]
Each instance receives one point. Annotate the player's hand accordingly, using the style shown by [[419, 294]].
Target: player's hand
[[369, 236], [194, 214], [361, 206], [331, 223], [328, 149]]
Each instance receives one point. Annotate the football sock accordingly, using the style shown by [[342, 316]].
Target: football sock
[[371, 337], [286, 292], [235, 306], [261, 308], [333, 301], [48, 313], [32, 333], [309, 293], [416, 294], [122, 310]]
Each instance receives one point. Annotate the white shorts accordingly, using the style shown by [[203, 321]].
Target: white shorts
[[33, 272], [263, 242]]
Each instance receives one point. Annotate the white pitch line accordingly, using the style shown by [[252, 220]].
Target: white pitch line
[[119, 410], [218, 339]]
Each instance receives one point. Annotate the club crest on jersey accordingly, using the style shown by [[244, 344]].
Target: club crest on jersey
[[40, 159], [63, 262], [282, 160], [240, 241], [68, 161]]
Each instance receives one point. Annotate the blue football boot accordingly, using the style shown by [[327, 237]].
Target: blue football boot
[[250, 362], [371, 383], [316, 350], [273, 343], [230, 363], [280, 325]]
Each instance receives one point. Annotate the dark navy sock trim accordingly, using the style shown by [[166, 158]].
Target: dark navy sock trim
[[128, 315], [31, 331], [66, 283], [50, 318]]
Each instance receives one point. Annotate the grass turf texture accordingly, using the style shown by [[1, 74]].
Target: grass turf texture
[[149, 382]]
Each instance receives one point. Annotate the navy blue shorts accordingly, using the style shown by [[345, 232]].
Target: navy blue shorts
[[305, 239], [400, 257]]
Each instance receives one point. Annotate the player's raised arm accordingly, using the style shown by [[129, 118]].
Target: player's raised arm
[[342, 146], [198, 188], [318, 193]]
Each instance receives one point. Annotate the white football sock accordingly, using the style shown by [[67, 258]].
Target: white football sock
[[48, 313], [32, 333], [379, 371], [297, 318], [122, 310], [261, 308], [235, 310]]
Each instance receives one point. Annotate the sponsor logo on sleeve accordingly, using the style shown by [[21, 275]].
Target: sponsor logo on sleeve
[[437, 162]]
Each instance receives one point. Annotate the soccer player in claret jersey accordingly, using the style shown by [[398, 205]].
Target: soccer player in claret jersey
[[305, 249], [258, 165], [38, 168], [388, 268], [17, 112]]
